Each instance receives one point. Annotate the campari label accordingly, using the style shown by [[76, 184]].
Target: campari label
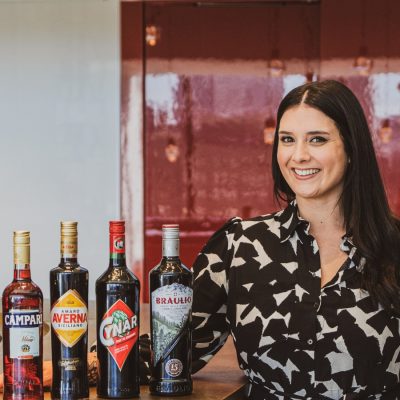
[[24, 328], [119, 331], [171, 307], [69, 318]]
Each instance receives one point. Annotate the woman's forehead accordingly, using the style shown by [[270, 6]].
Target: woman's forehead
[[303, 118]]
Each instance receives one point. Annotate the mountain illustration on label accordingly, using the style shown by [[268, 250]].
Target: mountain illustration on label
[[119, 331], [69, 318], [171, 305]]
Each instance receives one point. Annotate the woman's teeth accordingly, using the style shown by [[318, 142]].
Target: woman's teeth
[[304, 172]]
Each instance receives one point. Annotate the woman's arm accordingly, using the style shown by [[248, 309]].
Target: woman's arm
[[211, 274]]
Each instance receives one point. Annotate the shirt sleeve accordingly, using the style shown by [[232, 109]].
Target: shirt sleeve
[[210, 293]]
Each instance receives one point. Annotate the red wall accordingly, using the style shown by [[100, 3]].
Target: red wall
[[208, 91]]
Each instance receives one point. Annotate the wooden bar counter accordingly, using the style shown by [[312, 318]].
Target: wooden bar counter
[[220, 379]]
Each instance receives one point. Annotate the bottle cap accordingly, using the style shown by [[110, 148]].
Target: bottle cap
[[69, 228], [69, 239], [117, 227], [22, 237], [22, 247], [170, 231]]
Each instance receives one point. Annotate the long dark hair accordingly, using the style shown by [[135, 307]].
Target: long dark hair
[[375, 231]]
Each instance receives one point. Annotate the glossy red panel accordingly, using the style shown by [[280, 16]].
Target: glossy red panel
[[208, 92], [215, 75]]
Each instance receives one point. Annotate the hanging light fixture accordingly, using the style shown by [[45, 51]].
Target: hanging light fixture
[[276, 65], [386, 131], [310, 50], [171, 151], [269, 131], [309, 76], [153, 35], [362, 63]]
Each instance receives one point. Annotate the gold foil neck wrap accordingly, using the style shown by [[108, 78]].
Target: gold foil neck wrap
[[69, 239], [22, 247]]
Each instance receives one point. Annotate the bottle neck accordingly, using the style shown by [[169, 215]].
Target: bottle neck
[[69, 249], [22, 272], [66, 259], [22, 260], [117, 250], [170, 248]]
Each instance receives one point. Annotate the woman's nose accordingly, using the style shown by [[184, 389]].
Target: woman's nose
[[300, 153]]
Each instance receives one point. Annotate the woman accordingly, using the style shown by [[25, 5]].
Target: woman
[[310, 294]]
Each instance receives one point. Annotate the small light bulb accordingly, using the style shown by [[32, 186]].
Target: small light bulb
[[269, 131], [171, 151], [386, 131], [152, 35], [276, 67], [363, 65]]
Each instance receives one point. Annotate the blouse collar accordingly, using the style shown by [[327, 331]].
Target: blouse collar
[[290, 220]]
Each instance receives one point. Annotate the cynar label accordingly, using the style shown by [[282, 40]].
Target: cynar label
[[117, 244], [119, 331]]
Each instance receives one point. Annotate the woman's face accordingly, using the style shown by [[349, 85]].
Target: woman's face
[[311, 154]]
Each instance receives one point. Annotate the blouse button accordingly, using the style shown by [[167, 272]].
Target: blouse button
[[310, 341]]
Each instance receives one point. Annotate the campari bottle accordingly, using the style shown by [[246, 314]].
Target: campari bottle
[[117, 297], [171, 293], [69, 319], [22, 328]]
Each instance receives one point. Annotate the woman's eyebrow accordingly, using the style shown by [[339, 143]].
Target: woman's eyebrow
[[307, 133], [285, 133], [318, 133]]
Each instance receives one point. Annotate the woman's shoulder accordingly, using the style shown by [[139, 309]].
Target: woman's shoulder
[[236, 226]]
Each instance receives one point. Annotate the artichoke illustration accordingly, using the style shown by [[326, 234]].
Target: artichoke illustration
[[119, 318]]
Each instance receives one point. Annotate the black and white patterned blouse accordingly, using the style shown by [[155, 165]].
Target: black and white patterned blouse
[[260, 280]]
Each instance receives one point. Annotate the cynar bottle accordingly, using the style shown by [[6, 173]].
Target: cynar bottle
[[69, 320], [171, 293], [117, 297], [22, 328]]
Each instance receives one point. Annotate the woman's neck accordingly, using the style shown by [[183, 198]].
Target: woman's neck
[[322, 215]]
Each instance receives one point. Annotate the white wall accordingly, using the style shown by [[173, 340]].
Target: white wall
[[59, 129]]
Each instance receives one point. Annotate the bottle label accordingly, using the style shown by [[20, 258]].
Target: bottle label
[[119, 331], [170, 247], [70, 364], [171, 307], [22, 256], [24, 328], [69, 318], [174, 367], [69, 247], [117, 244]]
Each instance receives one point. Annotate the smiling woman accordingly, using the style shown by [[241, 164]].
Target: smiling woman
[[311, 294]]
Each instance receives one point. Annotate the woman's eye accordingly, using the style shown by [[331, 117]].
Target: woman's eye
[[286, 139], [318, 139]]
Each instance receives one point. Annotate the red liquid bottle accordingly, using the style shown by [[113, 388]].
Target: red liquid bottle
[[22, 328]]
